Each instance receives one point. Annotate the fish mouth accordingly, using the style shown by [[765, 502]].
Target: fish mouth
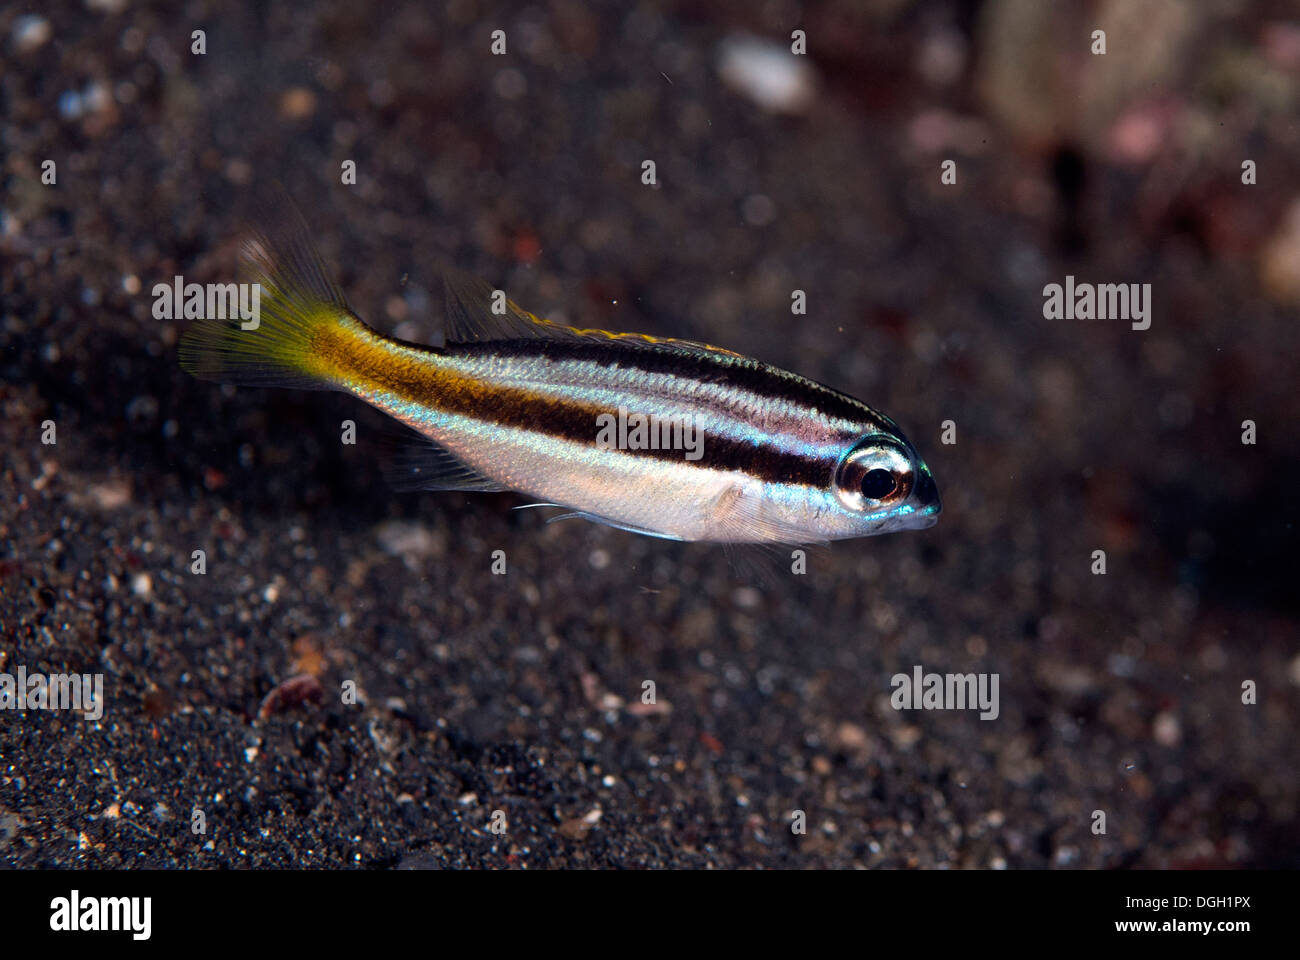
[[921, 519], [908, 517]]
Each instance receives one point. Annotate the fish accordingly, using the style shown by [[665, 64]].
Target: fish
[[665, 437]]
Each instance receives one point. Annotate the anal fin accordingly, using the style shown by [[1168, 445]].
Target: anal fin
[[607, 522], [414, 462]]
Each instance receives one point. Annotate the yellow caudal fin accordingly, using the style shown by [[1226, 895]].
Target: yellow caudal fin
[[296, 301]]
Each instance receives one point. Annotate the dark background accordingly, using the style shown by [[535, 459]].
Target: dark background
[[521, 693]]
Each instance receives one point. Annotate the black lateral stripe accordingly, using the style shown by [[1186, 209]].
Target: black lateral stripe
[[524, 409], [761, 379]]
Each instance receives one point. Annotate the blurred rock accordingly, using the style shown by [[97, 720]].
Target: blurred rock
[[1279, 260], [768, 73]]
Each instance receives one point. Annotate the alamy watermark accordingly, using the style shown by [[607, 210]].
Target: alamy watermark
[[212, 301], [946, 691], [1099, 301], [76, 913], [650, 431], [83, 692]]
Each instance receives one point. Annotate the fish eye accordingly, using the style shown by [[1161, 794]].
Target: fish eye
[[878, 484], [872, 474]]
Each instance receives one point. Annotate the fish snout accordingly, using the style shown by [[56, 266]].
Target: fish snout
[[926, 502]]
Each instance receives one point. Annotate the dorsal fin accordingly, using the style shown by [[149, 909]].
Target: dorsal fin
[[472, 319]]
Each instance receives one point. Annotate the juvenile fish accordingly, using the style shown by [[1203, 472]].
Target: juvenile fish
[[576, 418]]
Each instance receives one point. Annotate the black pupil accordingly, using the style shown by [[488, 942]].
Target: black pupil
[[878, 484]]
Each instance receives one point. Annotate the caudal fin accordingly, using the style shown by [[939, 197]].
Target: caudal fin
[[298, 300]]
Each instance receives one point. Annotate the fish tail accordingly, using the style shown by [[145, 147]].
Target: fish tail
[[298, 322]]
